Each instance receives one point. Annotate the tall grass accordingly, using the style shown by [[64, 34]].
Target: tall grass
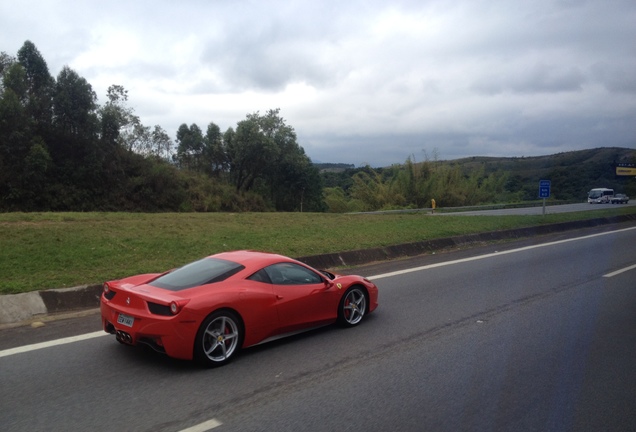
[[55, 250]]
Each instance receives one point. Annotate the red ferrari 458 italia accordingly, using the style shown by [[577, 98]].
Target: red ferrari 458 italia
[[209, 309]]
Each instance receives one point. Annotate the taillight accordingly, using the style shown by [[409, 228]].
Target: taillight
[[108, 293], [177, 305]]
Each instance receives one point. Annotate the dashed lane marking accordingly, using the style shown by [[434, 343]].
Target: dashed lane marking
[[72, 339], [37, 346]]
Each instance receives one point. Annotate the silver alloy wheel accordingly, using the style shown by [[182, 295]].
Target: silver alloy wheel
[[354, 306], [220, 338]]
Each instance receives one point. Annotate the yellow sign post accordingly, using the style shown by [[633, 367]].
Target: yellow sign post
[[625, 169]]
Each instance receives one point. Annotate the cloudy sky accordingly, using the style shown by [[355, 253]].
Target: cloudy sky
[[362, 82]]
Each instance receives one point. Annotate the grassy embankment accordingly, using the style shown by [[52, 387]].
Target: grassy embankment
[[55, 250]]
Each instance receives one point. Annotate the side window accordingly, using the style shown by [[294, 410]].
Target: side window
[[292, 274], [260, 276]]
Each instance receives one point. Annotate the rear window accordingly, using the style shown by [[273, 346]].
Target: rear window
[[205, 271]]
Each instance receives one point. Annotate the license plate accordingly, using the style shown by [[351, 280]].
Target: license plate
[[125, 320]]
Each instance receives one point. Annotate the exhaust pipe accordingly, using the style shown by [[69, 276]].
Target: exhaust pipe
[[123, 337]]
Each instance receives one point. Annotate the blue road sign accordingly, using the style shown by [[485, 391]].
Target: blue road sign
[[544, 188]]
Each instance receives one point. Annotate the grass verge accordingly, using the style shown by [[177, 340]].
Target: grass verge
[[56, 250]]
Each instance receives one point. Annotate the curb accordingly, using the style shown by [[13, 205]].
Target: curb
[[366, 256], [16, 308]]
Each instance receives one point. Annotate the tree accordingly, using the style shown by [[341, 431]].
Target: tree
[[15, 135], [161, 143], [190, 147], [263, 155], [35, 180], [138, 138], [120, 127], [77, 153], [116, 118], [39, 86], [249, 153], [14, 80], [214, 151], [5, 61], [369, 188], [298, 187], [74, 105]]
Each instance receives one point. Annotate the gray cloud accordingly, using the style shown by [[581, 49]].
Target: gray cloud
[[360, 81], [618, 78], [538, 78]]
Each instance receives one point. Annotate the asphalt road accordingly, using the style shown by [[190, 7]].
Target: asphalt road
[[522, 336], [549, 209]]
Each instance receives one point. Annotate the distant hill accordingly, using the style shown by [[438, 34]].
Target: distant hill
[[572, 174], [333, 167], [527, 166]]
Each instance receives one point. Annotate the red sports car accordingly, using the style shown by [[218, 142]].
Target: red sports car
[[209, 309]]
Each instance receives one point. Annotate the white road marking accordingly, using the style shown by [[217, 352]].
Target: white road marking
[[37, 346], [617, 272], [67, 340], [210, 424], [475, 258], [203, 427]]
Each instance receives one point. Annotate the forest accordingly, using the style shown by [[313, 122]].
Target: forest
[[62, 151], [476, 180]]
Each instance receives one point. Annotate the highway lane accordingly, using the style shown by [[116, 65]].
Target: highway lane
[[549, 209], [535, 210], [537, 339]]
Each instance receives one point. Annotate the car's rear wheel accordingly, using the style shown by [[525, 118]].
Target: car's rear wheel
[[353, 306], [219, 339]]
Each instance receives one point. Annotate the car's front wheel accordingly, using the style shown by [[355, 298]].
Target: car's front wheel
[[219, 339], [353, 306]]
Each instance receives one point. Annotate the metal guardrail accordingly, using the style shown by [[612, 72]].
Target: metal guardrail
[[524, 204]]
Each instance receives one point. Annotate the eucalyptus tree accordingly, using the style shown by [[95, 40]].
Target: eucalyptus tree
[[40, 86], [121, 128], [116, 118], [25, 120], [161, 144], [75, 149], [190, 147], [15, 134], [25, 161], [214, 150], [74, 105], [5, 61]]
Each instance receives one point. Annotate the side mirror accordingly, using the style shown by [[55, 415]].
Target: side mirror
[[328, 284]]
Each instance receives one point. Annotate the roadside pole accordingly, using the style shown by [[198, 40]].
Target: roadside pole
[[543, 206], [544, 191]]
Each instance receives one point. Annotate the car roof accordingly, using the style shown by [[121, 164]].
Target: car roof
[[252, 259]]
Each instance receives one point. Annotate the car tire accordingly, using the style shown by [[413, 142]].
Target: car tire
[[219, 339], [352, 307]]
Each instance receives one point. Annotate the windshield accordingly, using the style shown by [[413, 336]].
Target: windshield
[[599, 193], [205, 271]]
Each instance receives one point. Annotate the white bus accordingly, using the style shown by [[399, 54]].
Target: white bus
[[600, 196]]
